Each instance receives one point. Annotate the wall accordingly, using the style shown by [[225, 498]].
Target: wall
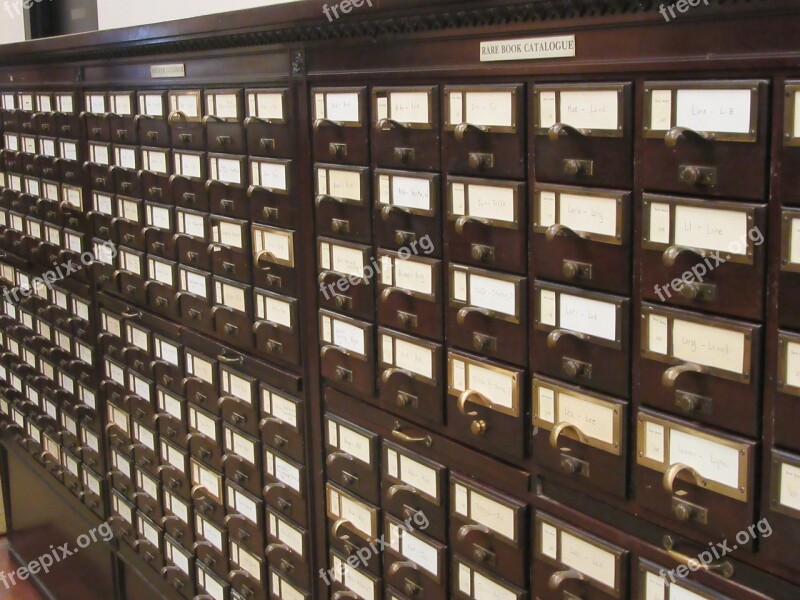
[[124, 13], [12, 21]]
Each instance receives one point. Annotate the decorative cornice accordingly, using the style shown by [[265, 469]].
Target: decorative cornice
[[505, 14]]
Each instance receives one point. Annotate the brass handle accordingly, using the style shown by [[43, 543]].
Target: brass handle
[[333, 348], [462, 129], [472, 396], [559, 129], [465, 530], [230, 360], [464, 219], [555, 335], [558, 578], [255, 188], [461, 317], [672, 374], [334, 456], [277, 546], [397, 432], [327, 198], [400, 565], [211, 119], [337, 526], [387, 211], [177, 115], [387, 293], [345, 594], [389, 124], [561, 428], [671, 474], [395, 489], [319, 123], [558, 229], [392, 371], [265, 254], [675, 134], [672, 253], [725, 568], [252, 119]]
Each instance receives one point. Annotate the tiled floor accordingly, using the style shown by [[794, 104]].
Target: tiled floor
[[24, 590]]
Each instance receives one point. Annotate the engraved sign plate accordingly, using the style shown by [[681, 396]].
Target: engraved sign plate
[[533, 48], [167, 71]]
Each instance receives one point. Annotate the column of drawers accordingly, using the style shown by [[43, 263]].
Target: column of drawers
[[49, 388], [702, 271]]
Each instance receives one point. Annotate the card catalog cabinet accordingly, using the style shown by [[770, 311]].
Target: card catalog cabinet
[[486, 301]]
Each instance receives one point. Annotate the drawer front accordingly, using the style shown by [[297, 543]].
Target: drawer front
[[345, 277], [582, 337], [789, 275], [352, 458], [781, 509], [277, 327], [485, 313], [405, 127], [581, 236], [411, 376], [408, 209], [471, 582], [570, 561], [283, 423], [286, 488], [707, 138], [655, 580], [703, 367], [414, 491], [289, 549], [272, 194], [347, 581], [486, 223], [486, 405], [579, 437], [490, 527], [484, 129], [273, 262], [269, 122], [343, 202], [353, 525], [699, 481], [700, 254], [410, 292], [347, 352], [584, 133], [340, 125], [414, 562]]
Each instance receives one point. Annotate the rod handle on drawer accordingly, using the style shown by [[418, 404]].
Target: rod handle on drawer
[[319, 123], [559, 129], [392, 371], [672, 253], [237, 359], [333, 348], [561, 428], [462, 129], [725, 568], [397, 432], [277, 546], [345, 594], [675, 134], [337, 526], [138, 118], [465, 530], [396, 489], [387, 211], [278, 485], [555, 335], [177, 115], [464, 219], [468, 396], [389, 124], [671, 375], [671, 474], [334, 456], [387, 292], [402, 564], [327, 198], [265, 254], [250, 120], [461, 317], [258, 188], [558, 229], [559, 577], [212, 119]]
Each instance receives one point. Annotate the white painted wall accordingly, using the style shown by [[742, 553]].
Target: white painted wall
[[112, 14], [12, 22]]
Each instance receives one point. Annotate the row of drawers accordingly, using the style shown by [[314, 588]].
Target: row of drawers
[[581, 132]]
